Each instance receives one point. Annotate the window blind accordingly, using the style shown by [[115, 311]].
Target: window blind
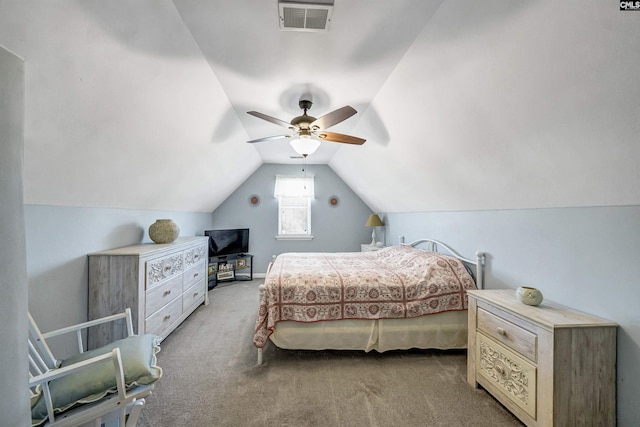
[[294, 186]]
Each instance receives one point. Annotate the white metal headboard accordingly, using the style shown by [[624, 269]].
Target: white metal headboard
[[433, 245]]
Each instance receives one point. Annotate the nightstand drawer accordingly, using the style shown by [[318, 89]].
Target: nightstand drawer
[[508, 373], [370, 248], [518, 339]]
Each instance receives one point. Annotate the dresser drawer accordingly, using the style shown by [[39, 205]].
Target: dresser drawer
[[518, 339], [161, 320], [193, 274], [195, 256], [194, 295], [163, 268], [162, 294], [511, 375]]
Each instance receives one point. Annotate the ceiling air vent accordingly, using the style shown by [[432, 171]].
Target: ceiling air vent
[[305, 16]]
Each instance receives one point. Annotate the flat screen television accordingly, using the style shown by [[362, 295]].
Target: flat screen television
[[228, 242]]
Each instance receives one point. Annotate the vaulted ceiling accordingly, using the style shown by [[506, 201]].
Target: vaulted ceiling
[[464, 105]]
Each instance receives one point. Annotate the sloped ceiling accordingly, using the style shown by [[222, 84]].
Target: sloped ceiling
[[465, 105]]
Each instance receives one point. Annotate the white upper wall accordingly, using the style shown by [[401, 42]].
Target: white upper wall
[[122, 110], [501, 105], [469, 106]]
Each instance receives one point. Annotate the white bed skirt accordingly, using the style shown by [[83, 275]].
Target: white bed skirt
[[442, 331]]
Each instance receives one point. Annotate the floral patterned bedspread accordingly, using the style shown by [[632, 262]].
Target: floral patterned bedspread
[[394, 282]]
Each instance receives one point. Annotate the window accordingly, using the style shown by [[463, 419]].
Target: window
[[294, 194]]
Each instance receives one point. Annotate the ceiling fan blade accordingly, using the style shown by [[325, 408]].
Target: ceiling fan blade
[[270, 119], [338, 137], [270, 138], [333, 118]]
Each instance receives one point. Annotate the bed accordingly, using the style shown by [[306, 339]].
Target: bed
[[396, 298]]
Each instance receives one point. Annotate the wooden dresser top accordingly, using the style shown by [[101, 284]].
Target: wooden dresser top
[[548, 315], [145, 248]]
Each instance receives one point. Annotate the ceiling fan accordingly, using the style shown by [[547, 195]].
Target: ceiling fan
[[306, 127]]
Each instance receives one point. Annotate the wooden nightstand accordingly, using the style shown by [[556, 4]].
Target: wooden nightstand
[[365, 247], [549, 365]]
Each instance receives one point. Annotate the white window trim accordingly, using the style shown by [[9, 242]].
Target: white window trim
[[294, 186], [294, 237]]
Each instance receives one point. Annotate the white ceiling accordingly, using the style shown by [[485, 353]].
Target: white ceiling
[[265, 69], [465, 105]]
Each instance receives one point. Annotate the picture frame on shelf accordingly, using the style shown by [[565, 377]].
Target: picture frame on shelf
[[223, 275]]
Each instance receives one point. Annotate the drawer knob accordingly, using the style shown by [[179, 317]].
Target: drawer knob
[[499, 369], [195, 294], [167, 292], [501, 331], [195, 275], [167, 317]]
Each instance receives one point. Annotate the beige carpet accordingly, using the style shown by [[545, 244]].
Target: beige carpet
[[211, 379]]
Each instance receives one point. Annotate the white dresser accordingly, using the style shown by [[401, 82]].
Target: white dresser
[[161, 283], [549, 365]]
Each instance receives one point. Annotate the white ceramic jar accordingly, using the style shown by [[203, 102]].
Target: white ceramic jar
[[528, 295], [164, 231]]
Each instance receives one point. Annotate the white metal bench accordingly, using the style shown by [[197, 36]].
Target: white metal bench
[[121, 399]]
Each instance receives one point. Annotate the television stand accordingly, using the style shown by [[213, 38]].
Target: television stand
[[229, 268]]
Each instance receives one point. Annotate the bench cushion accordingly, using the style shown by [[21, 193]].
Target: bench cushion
[[138, 353]]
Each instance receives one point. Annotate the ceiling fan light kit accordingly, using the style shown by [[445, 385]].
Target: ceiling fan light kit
[[305, 146], [309, 130]]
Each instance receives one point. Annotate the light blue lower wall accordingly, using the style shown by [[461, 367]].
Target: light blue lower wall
[[334, 228], [584, 258], [58, 240]]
